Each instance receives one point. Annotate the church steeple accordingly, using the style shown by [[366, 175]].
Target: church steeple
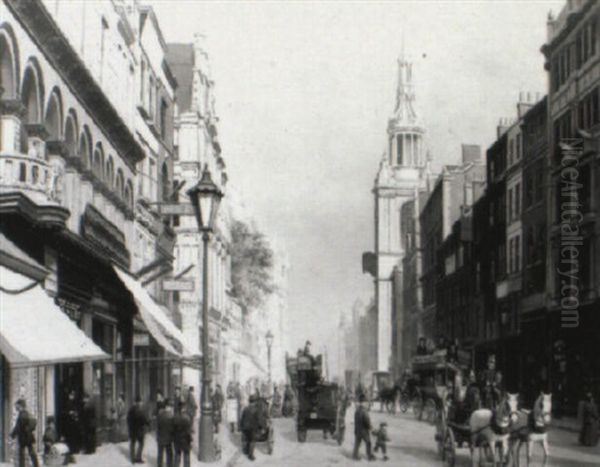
[[405, 94], [405, 129]]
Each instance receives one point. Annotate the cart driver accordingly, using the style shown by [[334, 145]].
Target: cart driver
[[307, 352], [491, 384]]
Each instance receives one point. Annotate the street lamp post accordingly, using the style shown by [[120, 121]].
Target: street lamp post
[[205, 197], [269, 338]]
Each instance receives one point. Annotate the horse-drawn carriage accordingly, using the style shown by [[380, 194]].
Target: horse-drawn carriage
[[319, 402], [499, 431], [435, 375]]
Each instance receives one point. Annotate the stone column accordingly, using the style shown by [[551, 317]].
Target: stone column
[[11, 113]]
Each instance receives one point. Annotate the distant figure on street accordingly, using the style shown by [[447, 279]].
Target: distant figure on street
[[164, 434], [71, 424], [177, 399], [362, 428], [159, 403], [50, 436], [588, 435], [182, 436], [217, 402], [422, 346], [276, 403], [191, 407], [288, 402], [121, 418], [88, 424], [381, 439], [24, 430], [249, 426], [232, 407], [137, 423]]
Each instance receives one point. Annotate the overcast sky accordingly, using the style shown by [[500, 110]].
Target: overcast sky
[[304, 91]]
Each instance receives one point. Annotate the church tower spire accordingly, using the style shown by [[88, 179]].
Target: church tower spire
[[405, 129]]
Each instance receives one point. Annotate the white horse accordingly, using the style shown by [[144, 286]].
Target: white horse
[[531, 427], [492, 428]]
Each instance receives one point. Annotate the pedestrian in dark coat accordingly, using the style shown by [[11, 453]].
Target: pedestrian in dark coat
[[362, 428], [191, 407], [217, 400], [71, 424], [137, 423], [164, 434], [24, 432], [182, 437], [588, 435], [88, 425], [249, 425]]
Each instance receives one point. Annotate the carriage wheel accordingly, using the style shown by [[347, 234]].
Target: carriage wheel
[[417, 406], [430, 411], [440, 435], [449, 455], [301, 435]]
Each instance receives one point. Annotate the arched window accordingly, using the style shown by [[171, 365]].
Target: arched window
[[85, 148], [32, 93], [98, 162], [8, 66], [119, 184], [71, 133], [129, 194], [53, 119], [110, 172], [165, 183]]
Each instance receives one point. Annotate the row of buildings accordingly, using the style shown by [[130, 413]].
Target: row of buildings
[[500, 252], [103, 122]]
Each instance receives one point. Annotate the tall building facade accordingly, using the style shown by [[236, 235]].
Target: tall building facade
[[402, 171], [83, 139], [572, 54], [197, 144]]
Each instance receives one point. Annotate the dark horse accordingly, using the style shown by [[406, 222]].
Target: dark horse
[[387, 397]]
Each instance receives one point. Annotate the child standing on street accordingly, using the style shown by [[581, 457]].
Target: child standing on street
[[381, 438]]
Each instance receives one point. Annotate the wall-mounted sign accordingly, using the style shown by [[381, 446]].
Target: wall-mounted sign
[[176, 209], [178, 285], [141, 340]]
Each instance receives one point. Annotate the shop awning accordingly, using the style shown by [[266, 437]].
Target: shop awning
[[33, 329], [159, 325]]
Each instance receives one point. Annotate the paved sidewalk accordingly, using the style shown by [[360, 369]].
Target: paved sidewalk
[[117, 455]]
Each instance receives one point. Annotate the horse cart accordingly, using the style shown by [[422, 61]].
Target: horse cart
[[319, 404], [435, 375], [382, 390]]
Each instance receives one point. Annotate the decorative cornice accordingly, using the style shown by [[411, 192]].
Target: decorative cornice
[[19, 203], [99, 231]]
